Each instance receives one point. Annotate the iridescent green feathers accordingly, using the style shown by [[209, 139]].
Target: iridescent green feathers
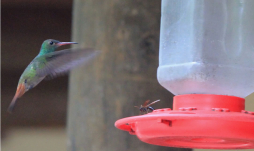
[[49, 64], [60, 62]]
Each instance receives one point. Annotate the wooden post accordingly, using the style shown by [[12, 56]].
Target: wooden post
[[124, 74]]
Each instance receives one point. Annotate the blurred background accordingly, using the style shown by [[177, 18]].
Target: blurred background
[[40, 116], [39, 120]]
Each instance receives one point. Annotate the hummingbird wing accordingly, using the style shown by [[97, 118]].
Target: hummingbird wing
[[60, 62]]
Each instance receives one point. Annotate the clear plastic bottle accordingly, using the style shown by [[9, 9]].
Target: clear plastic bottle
[[207, 47]]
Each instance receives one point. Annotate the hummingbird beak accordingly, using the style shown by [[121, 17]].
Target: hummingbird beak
[[65, 43], [20, 91]]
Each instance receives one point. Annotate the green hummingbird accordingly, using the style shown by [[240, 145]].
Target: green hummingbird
[[49, 64]]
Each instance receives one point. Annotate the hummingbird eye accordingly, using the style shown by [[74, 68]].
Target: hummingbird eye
[[51, 42]]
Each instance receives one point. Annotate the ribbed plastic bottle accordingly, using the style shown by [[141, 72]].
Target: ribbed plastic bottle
[[207, 47]]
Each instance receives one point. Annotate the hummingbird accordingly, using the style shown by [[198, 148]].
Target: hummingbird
[[49, 64]]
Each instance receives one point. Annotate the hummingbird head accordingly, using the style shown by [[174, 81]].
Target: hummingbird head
[[50, 45]]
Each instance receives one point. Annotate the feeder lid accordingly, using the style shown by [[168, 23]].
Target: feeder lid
[[194, 127]]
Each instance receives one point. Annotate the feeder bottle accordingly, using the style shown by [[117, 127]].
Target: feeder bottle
[[207, 47], [206, 59]]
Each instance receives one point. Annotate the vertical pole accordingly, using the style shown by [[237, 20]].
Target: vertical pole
[[124, 74]]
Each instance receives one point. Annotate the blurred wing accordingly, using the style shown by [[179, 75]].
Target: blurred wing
[[153, 102], [60, 62], [146, 102]]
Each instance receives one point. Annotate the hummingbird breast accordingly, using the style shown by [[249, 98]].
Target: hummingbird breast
[[30, 78]]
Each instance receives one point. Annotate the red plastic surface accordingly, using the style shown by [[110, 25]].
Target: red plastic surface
[[196, 121]]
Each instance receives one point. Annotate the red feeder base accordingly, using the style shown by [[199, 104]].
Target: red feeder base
[[196, 121]]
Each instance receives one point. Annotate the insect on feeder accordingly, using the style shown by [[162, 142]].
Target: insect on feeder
[[206, 60]]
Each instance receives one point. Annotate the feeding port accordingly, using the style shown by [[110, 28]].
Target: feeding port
[[206, 60]]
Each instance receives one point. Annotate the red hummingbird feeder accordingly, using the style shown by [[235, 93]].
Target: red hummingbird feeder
[[210, 70], [196, 121]]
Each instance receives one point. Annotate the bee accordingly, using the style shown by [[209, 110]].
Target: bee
[[146, 107]]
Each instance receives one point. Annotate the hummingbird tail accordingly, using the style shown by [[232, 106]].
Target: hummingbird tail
[[11, 106], [20, 91]]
